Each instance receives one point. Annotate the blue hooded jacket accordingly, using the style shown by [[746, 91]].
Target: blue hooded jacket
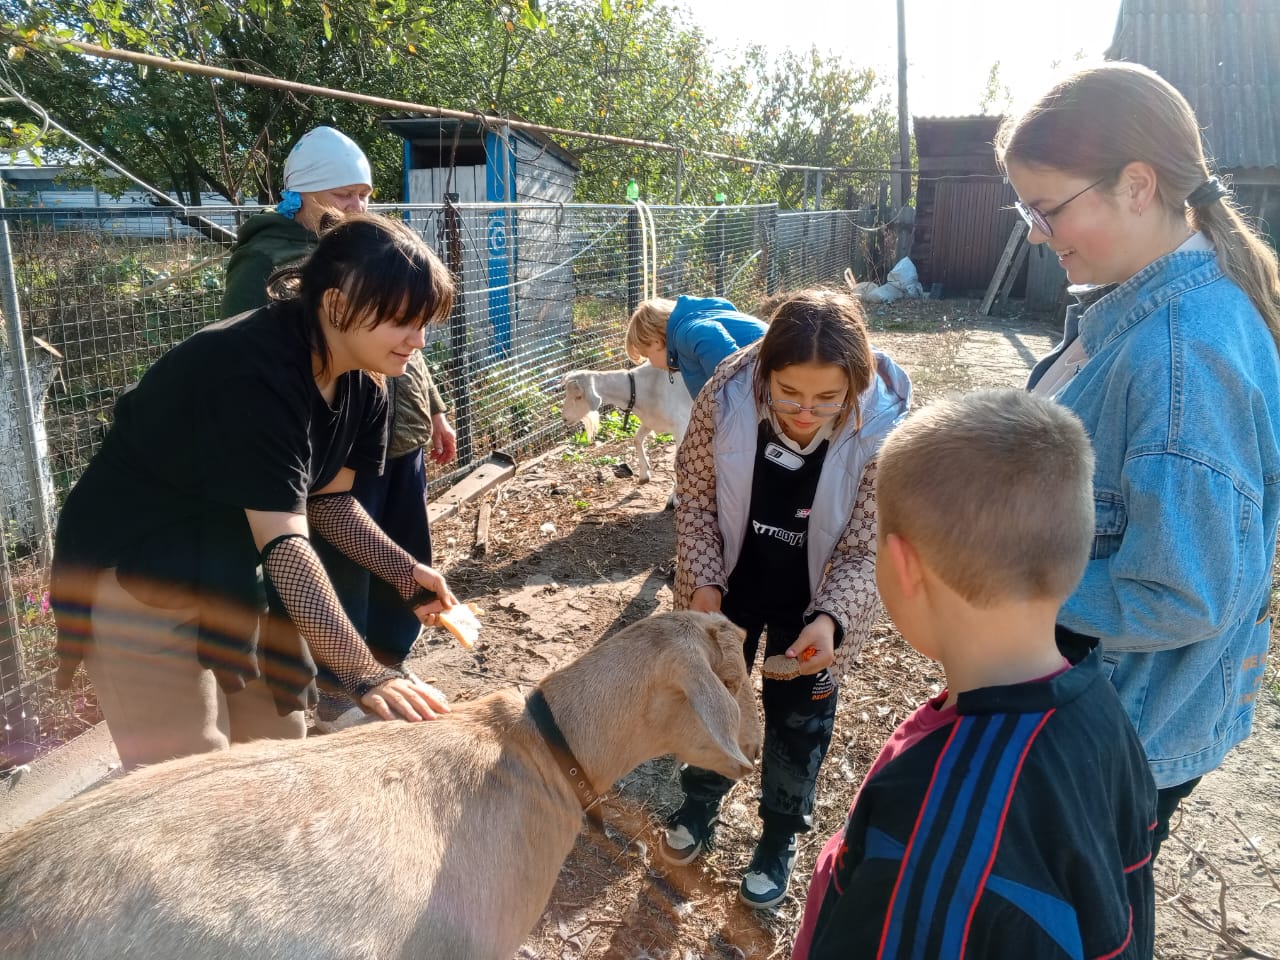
[[701, 332]]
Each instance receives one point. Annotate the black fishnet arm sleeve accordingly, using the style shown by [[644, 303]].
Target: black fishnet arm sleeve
[[295, 572], [340, 519]]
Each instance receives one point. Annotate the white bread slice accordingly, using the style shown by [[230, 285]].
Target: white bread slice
[[462, 621]]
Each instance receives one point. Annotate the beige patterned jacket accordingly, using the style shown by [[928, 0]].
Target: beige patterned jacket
[[848, 588]]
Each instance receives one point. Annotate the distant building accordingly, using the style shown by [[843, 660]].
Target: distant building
[[52, 188]]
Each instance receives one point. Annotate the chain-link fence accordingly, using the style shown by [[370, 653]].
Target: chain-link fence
[[91, 299]]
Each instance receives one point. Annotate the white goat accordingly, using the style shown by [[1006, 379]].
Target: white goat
[[660, 400], [437, 840]]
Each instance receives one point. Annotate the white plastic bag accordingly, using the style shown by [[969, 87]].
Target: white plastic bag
[[906, 278]]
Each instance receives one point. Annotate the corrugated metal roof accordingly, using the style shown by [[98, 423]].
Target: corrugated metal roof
[[956, 136], [1224, 55]]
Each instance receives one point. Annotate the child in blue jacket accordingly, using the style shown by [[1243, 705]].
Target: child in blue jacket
[[690, 335]]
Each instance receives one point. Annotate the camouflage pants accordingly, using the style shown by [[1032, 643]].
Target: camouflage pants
[[799, 716]]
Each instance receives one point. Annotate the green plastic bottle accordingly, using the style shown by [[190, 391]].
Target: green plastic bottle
[[719, 196], [633, 191]]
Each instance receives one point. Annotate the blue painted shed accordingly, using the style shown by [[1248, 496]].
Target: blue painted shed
[[514, 258]]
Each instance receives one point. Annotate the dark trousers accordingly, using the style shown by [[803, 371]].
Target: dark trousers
[[799, 716], [1167, 801], [397, 501]]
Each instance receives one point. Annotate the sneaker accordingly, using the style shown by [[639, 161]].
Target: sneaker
[[336, 711], [765, 882], [688, 833]]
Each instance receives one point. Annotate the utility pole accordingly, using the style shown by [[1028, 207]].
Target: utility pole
[[904, 220], [904, 140]]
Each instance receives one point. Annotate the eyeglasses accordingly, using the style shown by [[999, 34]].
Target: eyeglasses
[[1038, 220], [822, 411]]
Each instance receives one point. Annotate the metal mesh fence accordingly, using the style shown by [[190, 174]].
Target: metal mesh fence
[[91, 299]]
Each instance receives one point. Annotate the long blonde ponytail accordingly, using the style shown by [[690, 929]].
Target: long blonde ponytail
[[1244, 257]]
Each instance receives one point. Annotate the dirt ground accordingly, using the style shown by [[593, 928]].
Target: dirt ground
[[576, 552]]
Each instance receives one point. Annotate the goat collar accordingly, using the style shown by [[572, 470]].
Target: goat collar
[[631, 403], [538, 708]]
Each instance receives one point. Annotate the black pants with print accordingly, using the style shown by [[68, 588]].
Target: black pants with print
[[799, 716]]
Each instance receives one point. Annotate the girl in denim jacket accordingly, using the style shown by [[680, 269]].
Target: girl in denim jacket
[[1171, 362]]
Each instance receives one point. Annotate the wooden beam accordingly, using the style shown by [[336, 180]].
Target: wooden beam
[[1011, 276], [490, 473], [1006, 259]]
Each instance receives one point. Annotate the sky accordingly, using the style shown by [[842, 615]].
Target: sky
[[951, 44]]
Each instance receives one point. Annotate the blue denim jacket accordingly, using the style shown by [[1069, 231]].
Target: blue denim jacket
[[1181, 395]]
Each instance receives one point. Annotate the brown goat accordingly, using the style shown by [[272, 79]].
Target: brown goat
[[391, 840]]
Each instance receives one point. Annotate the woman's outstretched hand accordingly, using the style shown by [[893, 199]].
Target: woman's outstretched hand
[[407, 698]]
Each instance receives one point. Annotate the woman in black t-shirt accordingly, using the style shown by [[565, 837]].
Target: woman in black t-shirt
[[232, 448]]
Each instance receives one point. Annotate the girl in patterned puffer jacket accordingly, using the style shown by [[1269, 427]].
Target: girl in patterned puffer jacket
[[775, 528]]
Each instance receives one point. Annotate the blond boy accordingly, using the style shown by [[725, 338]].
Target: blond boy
[[1009, 816]]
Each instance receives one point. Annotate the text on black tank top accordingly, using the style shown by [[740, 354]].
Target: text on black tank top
[[774, 564]]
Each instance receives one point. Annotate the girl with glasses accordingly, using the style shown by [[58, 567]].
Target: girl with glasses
[[1170, 360], [775, 528]]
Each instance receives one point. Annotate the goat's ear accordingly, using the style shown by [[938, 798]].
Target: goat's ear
[[714, 708], [572, 388], [725, 638], [593, 398]]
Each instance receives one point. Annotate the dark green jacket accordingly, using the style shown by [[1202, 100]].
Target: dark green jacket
[[268, 240], [265, 241]]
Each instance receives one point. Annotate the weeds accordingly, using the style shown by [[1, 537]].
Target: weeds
[[580, 456]]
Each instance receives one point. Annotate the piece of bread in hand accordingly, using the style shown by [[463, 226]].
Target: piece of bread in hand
[[463, 622], [782, 667]]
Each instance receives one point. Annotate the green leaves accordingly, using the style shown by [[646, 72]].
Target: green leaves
[[621, 67]]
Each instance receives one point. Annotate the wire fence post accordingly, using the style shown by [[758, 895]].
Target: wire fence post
[[25, 404], [770, 250], [721, 228], [458, 348], [15, 718], [635, 265]]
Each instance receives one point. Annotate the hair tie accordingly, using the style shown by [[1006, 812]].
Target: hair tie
[[290, 203], [1208, 193]]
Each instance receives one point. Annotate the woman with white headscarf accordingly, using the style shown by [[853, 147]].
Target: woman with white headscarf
[[328, 173]]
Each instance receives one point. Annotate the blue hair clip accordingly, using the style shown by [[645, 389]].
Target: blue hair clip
[[290, 203]]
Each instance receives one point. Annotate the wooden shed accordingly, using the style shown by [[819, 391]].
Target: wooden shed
[[514, 262], [964, 209], [965, 214]]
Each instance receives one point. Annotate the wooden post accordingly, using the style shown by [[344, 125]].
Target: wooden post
[[481, 546], [1011, 277], [1006, 259], [458, 372]]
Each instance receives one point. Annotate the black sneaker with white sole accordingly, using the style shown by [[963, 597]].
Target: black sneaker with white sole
[[765, 882], [689, 831]]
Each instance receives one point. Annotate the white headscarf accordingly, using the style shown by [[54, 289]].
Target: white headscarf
[[323, 159]]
